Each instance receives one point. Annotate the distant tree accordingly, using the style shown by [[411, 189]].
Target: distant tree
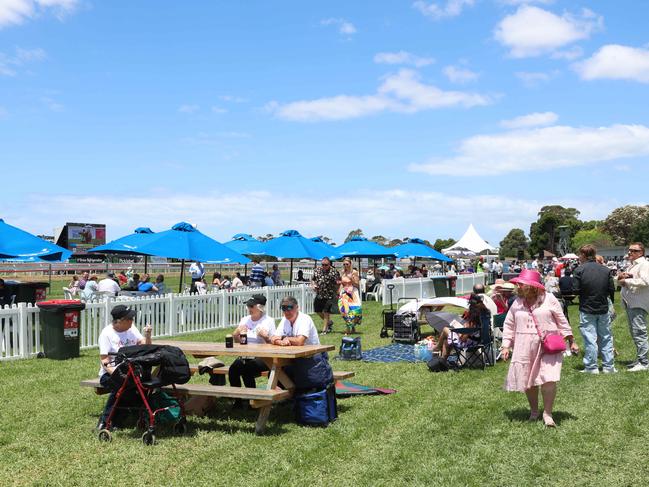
[[380, 239], [266, 238], [591, 224], [394, 242], [596, 237], [443, 243], [514, 244], [543, 232], [640, 231], [354, 233], [327, 240], [620, 222]]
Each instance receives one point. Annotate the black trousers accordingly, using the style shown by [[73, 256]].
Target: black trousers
[[248, 369]]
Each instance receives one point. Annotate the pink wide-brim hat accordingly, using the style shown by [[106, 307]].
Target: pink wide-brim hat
[[529, 278]]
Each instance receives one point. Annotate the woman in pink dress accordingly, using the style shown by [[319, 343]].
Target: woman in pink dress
[[530, 367]]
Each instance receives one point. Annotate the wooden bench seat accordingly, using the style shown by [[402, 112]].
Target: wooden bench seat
[[94, 383], [211, 391]]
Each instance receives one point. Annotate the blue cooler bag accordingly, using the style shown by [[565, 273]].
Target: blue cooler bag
[[316, 408]]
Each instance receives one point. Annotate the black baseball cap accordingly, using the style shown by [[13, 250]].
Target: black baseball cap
[[120, 312], [256, 299]]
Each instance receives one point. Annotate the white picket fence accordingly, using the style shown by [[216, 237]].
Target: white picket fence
[[169, 315], [424, 287]]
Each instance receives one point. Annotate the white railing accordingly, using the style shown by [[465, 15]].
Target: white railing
[[421, 288], [169, 315]]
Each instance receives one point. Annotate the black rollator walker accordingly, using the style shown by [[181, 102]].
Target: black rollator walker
[[134, 375], [388, 316]]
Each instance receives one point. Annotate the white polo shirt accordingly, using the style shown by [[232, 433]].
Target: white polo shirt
[[303, 326], [266, 323], [108, 286], [110, 341]]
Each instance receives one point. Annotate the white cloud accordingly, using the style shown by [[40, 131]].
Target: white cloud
[[233, 99], [16, 12], [532, 31], [458, 74], [220, 214], [452, 8], [9, 65], [217, 109], [538, 119], [402, 57], [541, 149], [526, 2], [52, 104], [402, 92], [569, 54], [614, 61], [532, 79], [344, 26], [188, 108]]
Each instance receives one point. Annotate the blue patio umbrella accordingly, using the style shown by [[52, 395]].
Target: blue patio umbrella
[[415, 247], [361, 247], [129, 244], [332, 252], [184, 242], [291, 245], [245, 244], [21, 246]]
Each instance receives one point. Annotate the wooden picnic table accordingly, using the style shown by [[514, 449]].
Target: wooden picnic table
[[276, 358]]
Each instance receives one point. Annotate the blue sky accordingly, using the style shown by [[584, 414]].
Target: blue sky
[[410, 118]]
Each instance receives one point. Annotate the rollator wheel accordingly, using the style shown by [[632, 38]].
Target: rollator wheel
[[384, 333], [180, 428], [105, 435], [148, 438]]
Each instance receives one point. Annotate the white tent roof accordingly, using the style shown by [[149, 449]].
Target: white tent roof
[[471, 242]]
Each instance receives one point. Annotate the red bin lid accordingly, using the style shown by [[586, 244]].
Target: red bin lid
[[53, 304], [60, 302]]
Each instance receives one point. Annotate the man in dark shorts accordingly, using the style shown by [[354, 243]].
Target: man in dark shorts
[[326, 281]]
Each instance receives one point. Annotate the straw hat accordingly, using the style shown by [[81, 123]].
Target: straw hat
[[529, 278]]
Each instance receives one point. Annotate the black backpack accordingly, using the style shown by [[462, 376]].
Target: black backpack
[[174, 368], [438, 364]]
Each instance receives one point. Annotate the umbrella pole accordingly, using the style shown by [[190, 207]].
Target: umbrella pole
[[291, 279], [146, 263], [50, 286], [182, 274]]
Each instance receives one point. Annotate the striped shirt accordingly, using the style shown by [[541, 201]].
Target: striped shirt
[[257, 273]]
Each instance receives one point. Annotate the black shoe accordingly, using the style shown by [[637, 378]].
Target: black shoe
[[330, 326]]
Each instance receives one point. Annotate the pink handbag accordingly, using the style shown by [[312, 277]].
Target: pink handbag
[[551, 342]]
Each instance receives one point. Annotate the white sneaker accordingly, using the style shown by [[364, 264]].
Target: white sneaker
[[632, 364], [590, 371], [639, 368], [612, 370]]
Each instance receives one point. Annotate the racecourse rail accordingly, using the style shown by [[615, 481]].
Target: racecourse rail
[[179, 314]]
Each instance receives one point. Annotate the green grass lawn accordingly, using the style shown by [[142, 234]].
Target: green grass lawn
[[438, 429]]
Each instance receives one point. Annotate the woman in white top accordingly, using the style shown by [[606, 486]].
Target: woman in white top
[[259, 328]]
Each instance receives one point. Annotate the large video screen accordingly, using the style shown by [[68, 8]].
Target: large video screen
[[84, 236]]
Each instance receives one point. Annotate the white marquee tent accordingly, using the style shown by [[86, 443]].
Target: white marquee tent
[[471, 243]]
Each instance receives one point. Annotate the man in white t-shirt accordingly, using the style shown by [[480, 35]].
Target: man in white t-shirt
[[120, 333], [259, 328], [108, 285], [296, 328]]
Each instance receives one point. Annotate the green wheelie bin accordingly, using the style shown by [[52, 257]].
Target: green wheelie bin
[[60, 320]]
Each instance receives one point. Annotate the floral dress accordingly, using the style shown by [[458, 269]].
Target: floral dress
[[349, 302]]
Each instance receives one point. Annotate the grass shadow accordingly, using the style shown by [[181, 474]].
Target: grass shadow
[[522, 415]]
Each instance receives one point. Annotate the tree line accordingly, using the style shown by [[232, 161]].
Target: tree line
[[622, 226]]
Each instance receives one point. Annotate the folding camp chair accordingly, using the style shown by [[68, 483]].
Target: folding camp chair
[[499, 321], [476, 353]]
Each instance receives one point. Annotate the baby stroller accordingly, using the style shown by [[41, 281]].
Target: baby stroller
[[132, 377]]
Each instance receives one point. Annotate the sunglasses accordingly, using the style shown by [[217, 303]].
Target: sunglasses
[[326, 265], [635, 250], [287, 307]]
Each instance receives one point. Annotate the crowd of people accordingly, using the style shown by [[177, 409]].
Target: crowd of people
[[89, 286]]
